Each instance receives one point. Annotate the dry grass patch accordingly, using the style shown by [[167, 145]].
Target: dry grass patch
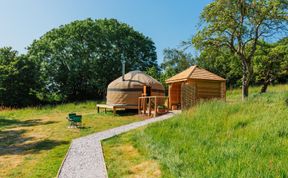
[[34, 141], [124, 160]]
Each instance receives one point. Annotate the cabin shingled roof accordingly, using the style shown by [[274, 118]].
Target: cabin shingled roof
[[194, 72]]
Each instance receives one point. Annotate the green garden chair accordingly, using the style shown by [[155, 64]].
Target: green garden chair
[[75, 120]]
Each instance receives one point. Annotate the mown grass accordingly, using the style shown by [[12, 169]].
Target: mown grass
[[34, 141], [214, 139]]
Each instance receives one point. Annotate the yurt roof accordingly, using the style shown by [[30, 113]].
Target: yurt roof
[[194, 72], [136, 79]]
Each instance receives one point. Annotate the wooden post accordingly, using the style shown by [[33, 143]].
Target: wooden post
[[149, 106], [168, 104], [155, 112], [139, 105], [144, 107], [114, 110], [182, 96], [169, 95], [98, 109]]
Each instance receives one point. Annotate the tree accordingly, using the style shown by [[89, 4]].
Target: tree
[[238, 25], [154, 72], [80, 59], [19, 80], [271, 62], [221, 62], [176, 61]]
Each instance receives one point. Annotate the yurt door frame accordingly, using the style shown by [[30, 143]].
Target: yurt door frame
[[146, 90]]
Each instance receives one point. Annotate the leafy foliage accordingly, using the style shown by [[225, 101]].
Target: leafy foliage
[[223, 63], [238, 25], [271, 63], [19, 79], [175, 61], [80, 59]]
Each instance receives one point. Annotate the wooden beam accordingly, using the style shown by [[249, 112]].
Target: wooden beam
[[139, 105], [155, 112], [149, 107]]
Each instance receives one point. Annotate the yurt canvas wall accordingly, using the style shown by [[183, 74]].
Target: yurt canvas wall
[[136, 84]]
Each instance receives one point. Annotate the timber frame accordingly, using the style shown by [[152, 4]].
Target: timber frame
[[187, 88]]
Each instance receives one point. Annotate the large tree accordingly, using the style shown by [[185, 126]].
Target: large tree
[[80, 59], [221, 62], [271, 62], [19, 79], [239, 25]]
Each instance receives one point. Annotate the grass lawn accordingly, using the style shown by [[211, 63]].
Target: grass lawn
[[213, 139], [34, 141]]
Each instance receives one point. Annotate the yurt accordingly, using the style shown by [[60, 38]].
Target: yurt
[[125, 90]]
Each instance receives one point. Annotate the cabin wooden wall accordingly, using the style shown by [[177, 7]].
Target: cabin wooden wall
[[223, 90], [190, 92], [208, 89]]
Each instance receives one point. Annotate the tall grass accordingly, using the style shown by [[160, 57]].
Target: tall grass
[[218, 139]]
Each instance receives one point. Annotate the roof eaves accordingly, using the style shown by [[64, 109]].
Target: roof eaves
[[176, 80]]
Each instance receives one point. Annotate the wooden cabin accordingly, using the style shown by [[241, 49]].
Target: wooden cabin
[[193, 84]]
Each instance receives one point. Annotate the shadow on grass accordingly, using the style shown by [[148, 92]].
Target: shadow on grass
[[127, 112], [12, 142], [4, 122]]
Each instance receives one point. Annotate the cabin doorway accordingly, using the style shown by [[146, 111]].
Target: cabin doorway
[[175, 96]]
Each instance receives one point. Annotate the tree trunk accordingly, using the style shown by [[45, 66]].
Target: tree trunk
[[264, 87], [246, 70], [266, 82], [245, 87]]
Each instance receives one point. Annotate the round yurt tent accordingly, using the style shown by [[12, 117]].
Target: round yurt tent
[[124, 91]]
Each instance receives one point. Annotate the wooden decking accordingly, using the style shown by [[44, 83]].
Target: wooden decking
[[105, 107], [149, 105]]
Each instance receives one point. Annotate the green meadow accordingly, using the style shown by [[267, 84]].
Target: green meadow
[[213, 139], [34, 141]]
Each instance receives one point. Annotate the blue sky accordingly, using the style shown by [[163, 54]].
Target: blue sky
[[167, 22]]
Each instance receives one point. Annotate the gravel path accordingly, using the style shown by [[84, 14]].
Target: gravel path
[[85, 157]]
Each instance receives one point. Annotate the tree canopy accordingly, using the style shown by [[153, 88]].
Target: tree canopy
[[271, 63], [221, 62], [19, 79], [80, 59], [239, 25], [176, 61]]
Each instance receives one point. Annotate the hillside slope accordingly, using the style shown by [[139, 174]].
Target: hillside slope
[[214, 139]]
